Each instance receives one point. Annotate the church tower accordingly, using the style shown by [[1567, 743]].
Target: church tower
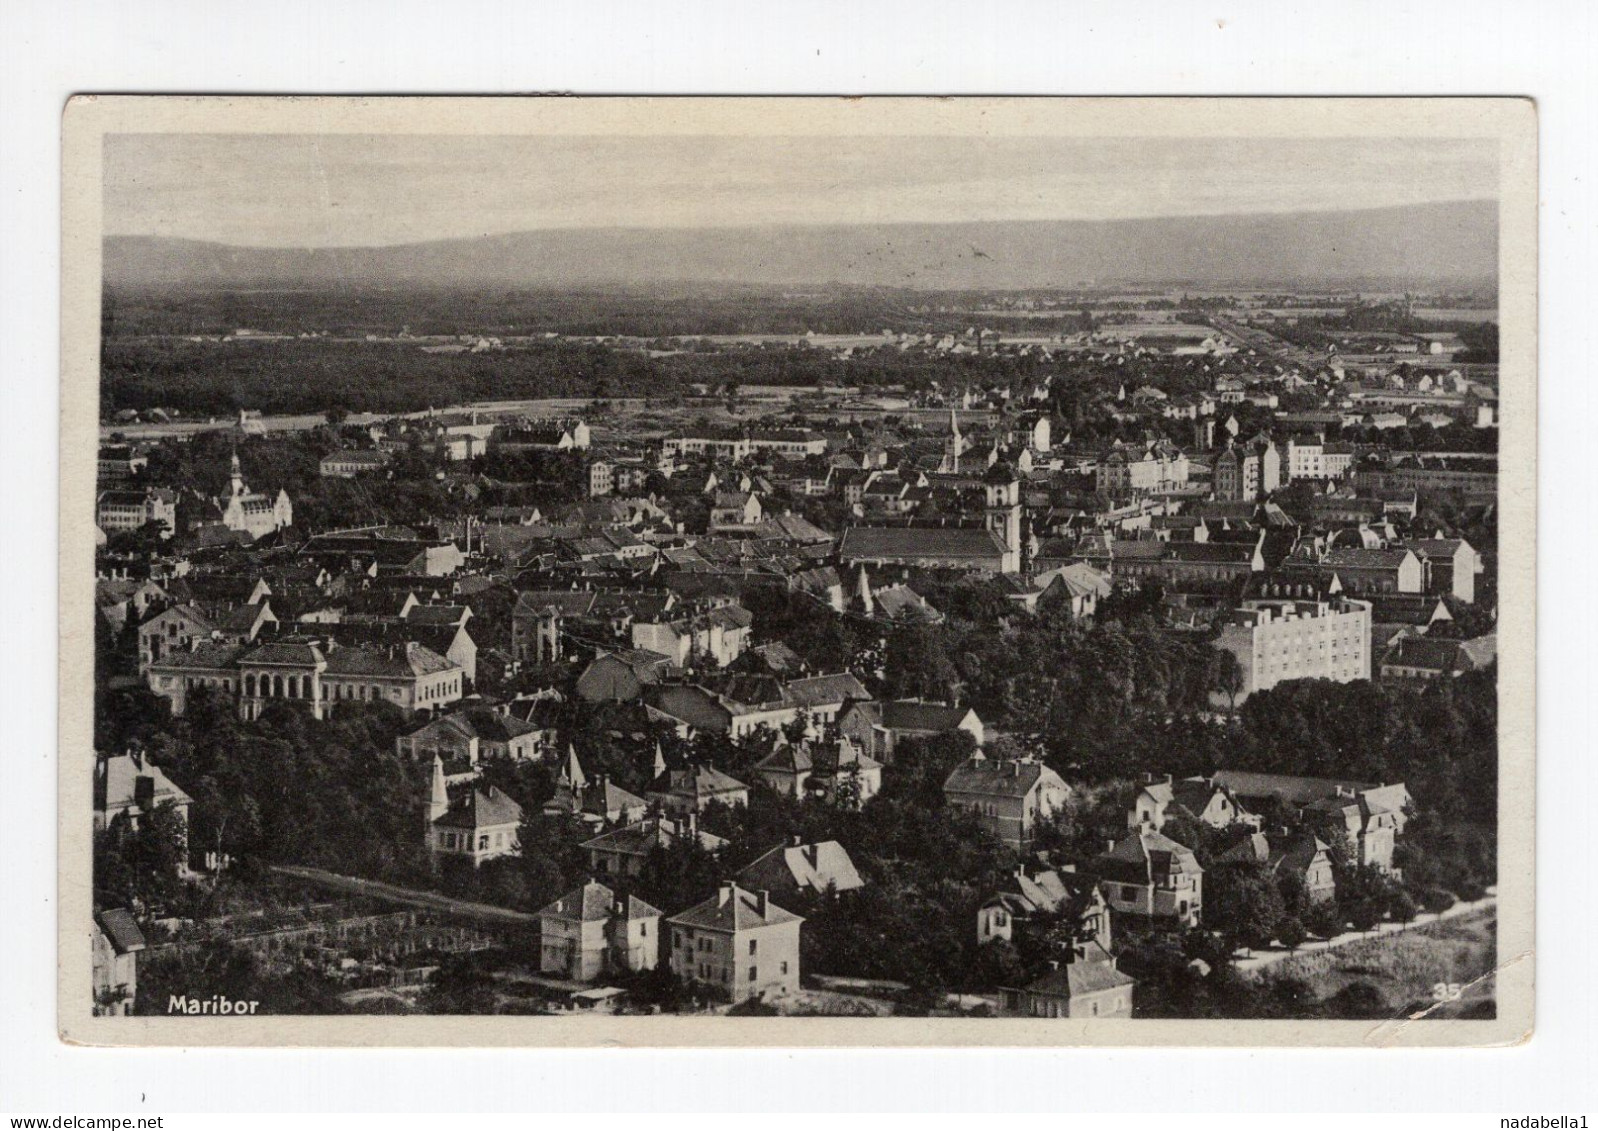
[[1004, 512], [235, 478], [951, 453]]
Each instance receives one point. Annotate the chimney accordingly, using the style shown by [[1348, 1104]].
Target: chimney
[[760, 902], [725, 893], [795, 840]]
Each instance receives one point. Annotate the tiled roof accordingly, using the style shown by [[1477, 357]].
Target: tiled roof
[[479, 809], [816, 867], [788, 758], [697, 782], [297, 655], [1355, 558], [733, 910], [1144, 854], [1093, 972], [640, 838], [932, 718], [569, 602], [1295, 790], [120, 928], [208, 656], [817, 690], [995, 778], [594, 902], [412, 660], [607, 797], [941, 542], [438, 614], [116, 788]]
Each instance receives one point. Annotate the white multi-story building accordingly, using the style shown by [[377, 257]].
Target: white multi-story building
[[1281, 639], [118, 511]]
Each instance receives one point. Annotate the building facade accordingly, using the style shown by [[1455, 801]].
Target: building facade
[[1279, 640], [738, 943]]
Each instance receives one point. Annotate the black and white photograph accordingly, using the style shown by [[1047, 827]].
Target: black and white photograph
[[976, 571]]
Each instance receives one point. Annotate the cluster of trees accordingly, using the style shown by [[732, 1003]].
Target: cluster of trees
[[285, 788], [315, 375], [643, 312]]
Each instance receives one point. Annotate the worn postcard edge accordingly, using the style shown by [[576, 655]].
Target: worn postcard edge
[[1513, 121]]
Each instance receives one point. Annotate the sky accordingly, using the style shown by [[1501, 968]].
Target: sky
[[361, 191]]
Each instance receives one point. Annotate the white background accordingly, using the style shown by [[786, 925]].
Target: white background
[[53, 48]]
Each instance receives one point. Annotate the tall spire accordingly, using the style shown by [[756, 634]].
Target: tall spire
[[236, 476], [574, 770], [660, 760], [438, 803]]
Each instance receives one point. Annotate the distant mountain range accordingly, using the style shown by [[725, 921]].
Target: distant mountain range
[[1418, 245]]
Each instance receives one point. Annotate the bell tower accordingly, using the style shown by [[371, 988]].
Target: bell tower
[[1004, 512]]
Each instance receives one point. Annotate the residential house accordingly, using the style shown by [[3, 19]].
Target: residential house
[[1009, 797], [734, 508], [623, 852], [738, 943], [1152, 878], [1302, 855], [1045, 893], [592, 931], [692, 788], [1275, 640], [717, 636], [129, 786], [1361, 571], [1077, 588], [1371, 816], [1197, 799], [834, 770], [822, 868], [877, 728], [476, 824], [114, 962], [469, 736], [622, 675], [1423, 658], [1451, 566], [353, 462], [1089, 985]]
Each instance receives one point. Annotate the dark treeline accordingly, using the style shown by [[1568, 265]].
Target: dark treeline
[[315, 375], [642, 313]]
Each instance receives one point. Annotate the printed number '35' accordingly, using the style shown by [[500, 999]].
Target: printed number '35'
[[1447, 991]]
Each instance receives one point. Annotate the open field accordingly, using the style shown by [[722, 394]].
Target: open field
[[1405, 966]]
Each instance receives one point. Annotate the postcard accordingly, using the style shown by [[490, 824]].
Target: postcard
[[806, 571]]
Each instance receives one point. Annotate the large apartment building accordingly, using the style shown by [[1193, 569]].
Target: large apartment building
[[1280, 639]]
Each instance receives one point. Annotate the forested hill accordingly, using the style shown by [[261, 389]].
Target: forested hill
[[1414, 245]]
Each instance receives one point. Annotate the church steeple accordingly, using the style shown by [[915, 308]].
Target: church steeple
[[235, 477], [956, 443]]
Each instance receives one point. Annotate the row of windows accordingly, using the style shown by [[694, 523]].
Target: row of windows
[[462, 842]]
